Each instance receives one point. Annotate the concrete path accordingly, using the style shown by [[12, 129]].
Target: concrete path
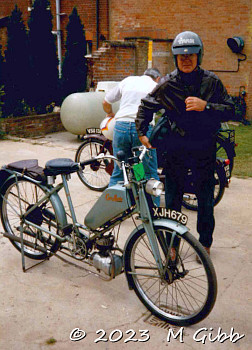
[[40, 308]]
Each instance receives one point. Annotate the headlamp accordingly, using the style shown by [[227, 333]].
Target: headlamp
[[154, 187]]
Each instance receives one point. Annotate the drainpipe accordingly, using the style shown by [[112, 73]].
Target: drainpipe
[[108, 20], [58, 35], [97, 24]]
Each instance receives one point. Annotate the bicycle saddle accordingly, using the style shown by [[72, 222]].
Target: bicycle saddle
[[28, 167], [60, 166]]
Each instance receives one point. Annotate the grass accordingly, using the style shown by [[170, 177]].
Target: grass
[[51, 341], [243, 159]]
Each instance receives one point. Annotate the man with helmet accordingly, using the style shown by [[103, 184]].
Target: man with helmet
[[130, 91], [195, 103]]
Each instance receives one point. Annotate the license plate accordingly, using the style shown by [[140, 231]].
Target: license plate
[[163, 213], [232, 136], [93, 131], [227, 171]]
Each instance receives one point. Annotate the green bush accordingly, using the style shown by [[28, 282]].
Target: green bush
[[43, 58], [16, 69], [74, 68]]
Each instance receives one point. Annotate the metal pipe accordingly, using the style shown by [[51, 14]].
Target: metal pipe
[[232, 71], [97, 24], [58, 35]]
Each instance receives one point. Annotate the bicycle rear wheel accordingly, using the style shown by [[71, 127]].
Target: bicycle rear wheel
[[187, 291], [17, 197], [190, 200], [97, 175]]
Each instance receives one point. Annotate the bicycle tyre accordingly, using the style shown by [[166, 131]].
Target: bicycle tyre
[[95, 176], [44, 216], [180, 303], [190, 199]]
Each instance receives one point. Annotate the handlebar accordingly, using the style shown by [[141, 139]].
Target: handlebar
[[120, 162], [144, 150], [101, 156], [95, 159]]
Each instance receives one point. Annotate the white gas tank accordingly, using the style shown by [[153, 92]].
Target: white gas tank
[[83, 110]]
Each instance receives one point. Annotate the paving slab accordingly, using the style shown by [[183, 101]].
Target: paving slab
[[40, 308]]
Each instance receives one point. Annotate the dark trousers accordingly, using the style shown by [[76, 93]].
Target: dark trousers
[[202, 162]]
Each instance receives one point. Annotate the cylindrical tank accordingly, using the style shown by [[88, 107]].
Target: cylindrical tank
[[83, 110]]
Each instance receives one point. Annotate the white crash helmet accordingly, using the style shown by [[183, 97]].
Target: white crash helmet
[[107, 127]]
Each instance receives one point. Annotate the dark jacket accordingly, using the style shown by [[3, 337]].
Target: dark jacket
[[171, 93]]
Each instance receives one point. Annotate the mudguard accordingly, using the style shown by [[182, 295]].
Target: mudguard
[[4, 176], [108, 143], [169, 224], [223, 174]]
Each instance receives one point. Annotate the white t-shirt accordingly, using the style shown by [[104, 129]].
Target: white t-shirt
[[130, 91]]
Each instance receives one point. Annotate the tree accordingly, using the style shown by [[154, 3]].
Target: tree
[[16, 70], [1, 67], [43, 56], [74, 68], [1, 80]]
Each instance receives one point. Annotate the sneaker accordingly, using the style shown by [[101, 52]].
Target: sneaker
[[207, 249]]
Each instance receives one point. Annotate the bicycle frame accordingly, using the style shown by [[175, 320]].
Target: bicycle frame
[[52, 193]]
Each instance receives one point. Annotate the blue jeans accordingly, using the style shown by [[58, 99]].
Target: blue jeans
[[125, 137]]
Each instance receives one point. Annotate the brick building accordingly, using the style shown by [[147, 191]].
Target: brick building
[[121, 34]]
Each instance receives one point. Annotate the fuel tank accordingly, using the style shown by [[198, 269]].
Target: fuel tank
[[113, 201], [83, 110]]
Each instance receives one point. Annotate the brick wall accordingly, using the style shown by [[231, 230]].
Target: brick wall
[[6, 7], [113, 61], [32, 126], [104, 18], [86, 10], [161, 57], [116, 60], [215, 22]]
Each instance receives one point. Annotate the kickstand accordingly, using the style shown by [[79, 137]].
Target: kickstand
[[34, 265], [21, 241], [22, 248], [23, 255]]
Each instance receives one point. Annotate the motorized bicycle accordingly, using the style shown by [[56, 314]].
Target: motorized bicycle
[[97, 175], [158, 258]]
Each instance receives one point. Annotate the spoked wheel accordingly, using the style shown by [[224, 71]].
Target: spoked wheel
[[18, 198], [97, 175], [190, 200], [186, 291]]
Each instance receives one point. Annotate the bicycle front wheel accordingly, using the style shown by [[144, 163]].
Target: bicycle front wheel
[[185, 293], [18, 197], [95, 176]]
